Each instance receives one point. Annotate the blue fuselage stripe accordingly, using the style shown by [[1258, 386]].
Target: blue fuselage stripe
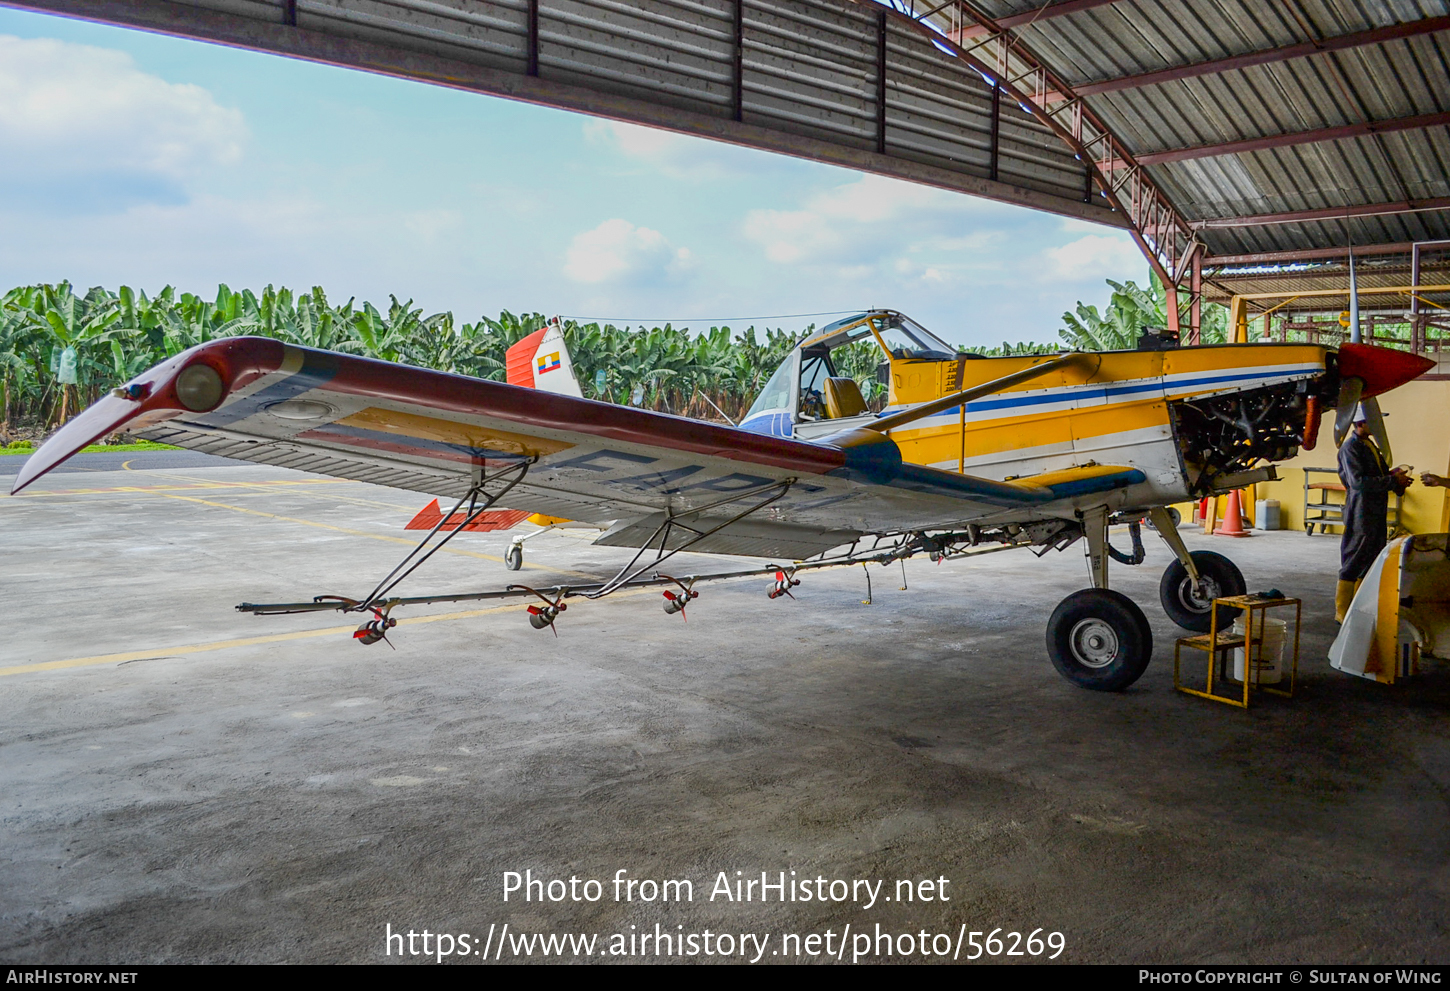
[[1098, 392]]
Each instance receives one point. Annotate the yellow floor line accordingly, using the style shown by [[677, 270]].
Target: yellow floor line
[[332, 496], [142, 655], [363, 533]]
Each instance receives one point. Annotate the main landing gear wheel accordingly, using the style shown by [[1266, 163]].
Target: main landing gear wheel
[[1099, 639], [1221, 577], [513, 558]]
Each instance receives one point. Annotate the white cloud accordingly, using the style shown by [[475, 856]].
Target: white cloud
[[790, 235], [1076, 225], [618, 251], [1096, 256], [431, 226], [68, 109], [870, 217], [292, 239], [633, 139], [678, 156], [872, 199]]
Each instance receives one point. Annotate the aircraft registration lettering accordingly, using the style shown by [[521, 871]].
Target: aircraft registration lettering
[[659, 480], [724, 483], [591, 461]]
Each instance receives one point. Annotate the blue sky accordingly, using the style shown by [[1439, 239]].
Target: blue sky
[[143, 160]]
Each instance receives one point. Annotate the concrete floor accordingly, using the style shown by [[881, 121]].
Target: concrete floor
[[203, 785]]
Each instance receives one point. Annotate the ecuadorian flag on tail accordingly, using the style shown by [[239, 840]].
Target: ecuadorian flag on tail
[[530, 361]]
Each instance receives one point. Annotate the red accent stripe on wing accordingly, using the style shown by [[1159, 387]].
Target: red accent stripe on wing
[[551, 411]]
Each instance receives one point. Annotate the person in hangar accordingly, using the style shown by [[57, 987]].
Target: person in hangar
[[1368, 482]]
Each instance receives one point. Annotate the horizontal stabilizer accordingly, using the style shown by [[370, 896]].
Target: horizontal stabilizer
[[489, 520]]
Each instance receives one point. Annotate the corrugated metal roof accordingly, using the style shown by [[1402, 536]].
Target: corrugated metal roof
[[1219, 286], [1381, 81], [806, 77]]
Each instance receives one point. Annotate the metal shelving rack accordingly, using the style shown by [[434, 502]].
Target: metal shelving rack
[[1328, 513], [1217, 644]]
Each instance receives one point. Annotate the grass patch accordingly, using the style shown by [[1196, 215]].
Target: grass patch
[[138, 447]]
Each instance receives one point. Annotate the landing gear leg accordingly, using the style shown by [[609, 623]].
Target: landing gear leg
[[513, 558], [1095, 526], [1192, 582], [1162, 519], [1097, 638]]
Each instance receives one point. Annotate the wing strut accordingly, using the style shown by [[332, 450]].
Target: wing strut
[[475, 510], [874, 435], [885, 423], [673, 520]]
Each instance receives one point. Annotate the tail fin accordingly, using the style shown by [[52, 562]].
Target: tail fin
[[541, 361]]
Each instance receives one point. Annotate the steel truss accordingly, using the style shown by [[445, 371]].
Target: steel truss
[[994, 50]]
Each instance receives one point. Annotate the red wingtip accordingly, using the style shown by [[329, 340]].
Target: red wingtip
[[238, 360], [108, 414], [1382, 369]]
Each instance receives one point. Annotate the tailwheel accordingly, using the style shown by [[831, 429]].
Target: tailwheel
[[513, 558], [1099, 639], [1190, 609]]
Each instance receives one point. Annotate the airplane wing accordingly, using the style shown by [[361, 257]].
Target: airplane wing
[[442, 434]]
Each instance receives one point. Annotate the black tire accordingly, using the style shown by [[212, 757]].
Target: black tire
[[1221, 577], [513, 558], [1099, 639]]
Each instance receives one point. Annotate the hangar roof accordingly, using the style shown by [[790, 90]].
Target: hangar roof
[[1237, 133], [1272, 128]]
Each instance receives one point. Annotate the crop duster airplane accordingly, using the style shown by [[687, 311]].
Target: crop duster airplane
[[1021, 451]]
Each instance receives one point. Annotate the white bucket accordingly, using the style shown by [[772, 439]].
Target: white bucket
[[1267, 514], [1268, 658]]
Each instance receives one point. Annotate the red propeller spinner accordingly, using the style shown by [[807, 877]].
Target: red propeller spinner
[[1381, 369]]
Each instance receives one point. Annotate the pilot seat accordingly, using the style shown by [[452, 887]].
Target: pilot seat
[[843, 398]]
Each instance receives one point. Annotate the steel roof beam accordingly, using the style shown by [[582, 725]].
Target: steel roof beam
[[1358, 39], [1160, 232], [1309, 254], [1327, 213], [1030, 17], [1294, 138]]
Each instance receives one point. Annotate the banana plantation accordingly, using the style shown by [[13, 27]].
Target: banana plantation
[[59, 350]]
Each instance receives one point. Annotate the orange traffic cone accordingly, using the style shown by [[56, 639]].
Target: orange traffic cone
[[1233, 521]]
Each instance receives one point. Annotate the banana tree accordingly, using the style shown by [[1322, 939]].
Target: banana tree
[[1129, 310], [18, 334], [76, 325]]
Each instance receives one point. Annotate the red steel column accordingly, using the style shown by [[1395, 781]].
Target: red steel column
[[1195, 307]]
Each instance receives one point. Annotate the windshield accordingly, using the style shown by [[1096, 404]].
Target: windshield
[[777, 392], [905, 338]]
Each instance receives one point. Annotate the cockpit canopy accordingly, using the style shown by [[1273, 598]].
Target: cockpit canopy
[[902, 336], [811, 385]]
